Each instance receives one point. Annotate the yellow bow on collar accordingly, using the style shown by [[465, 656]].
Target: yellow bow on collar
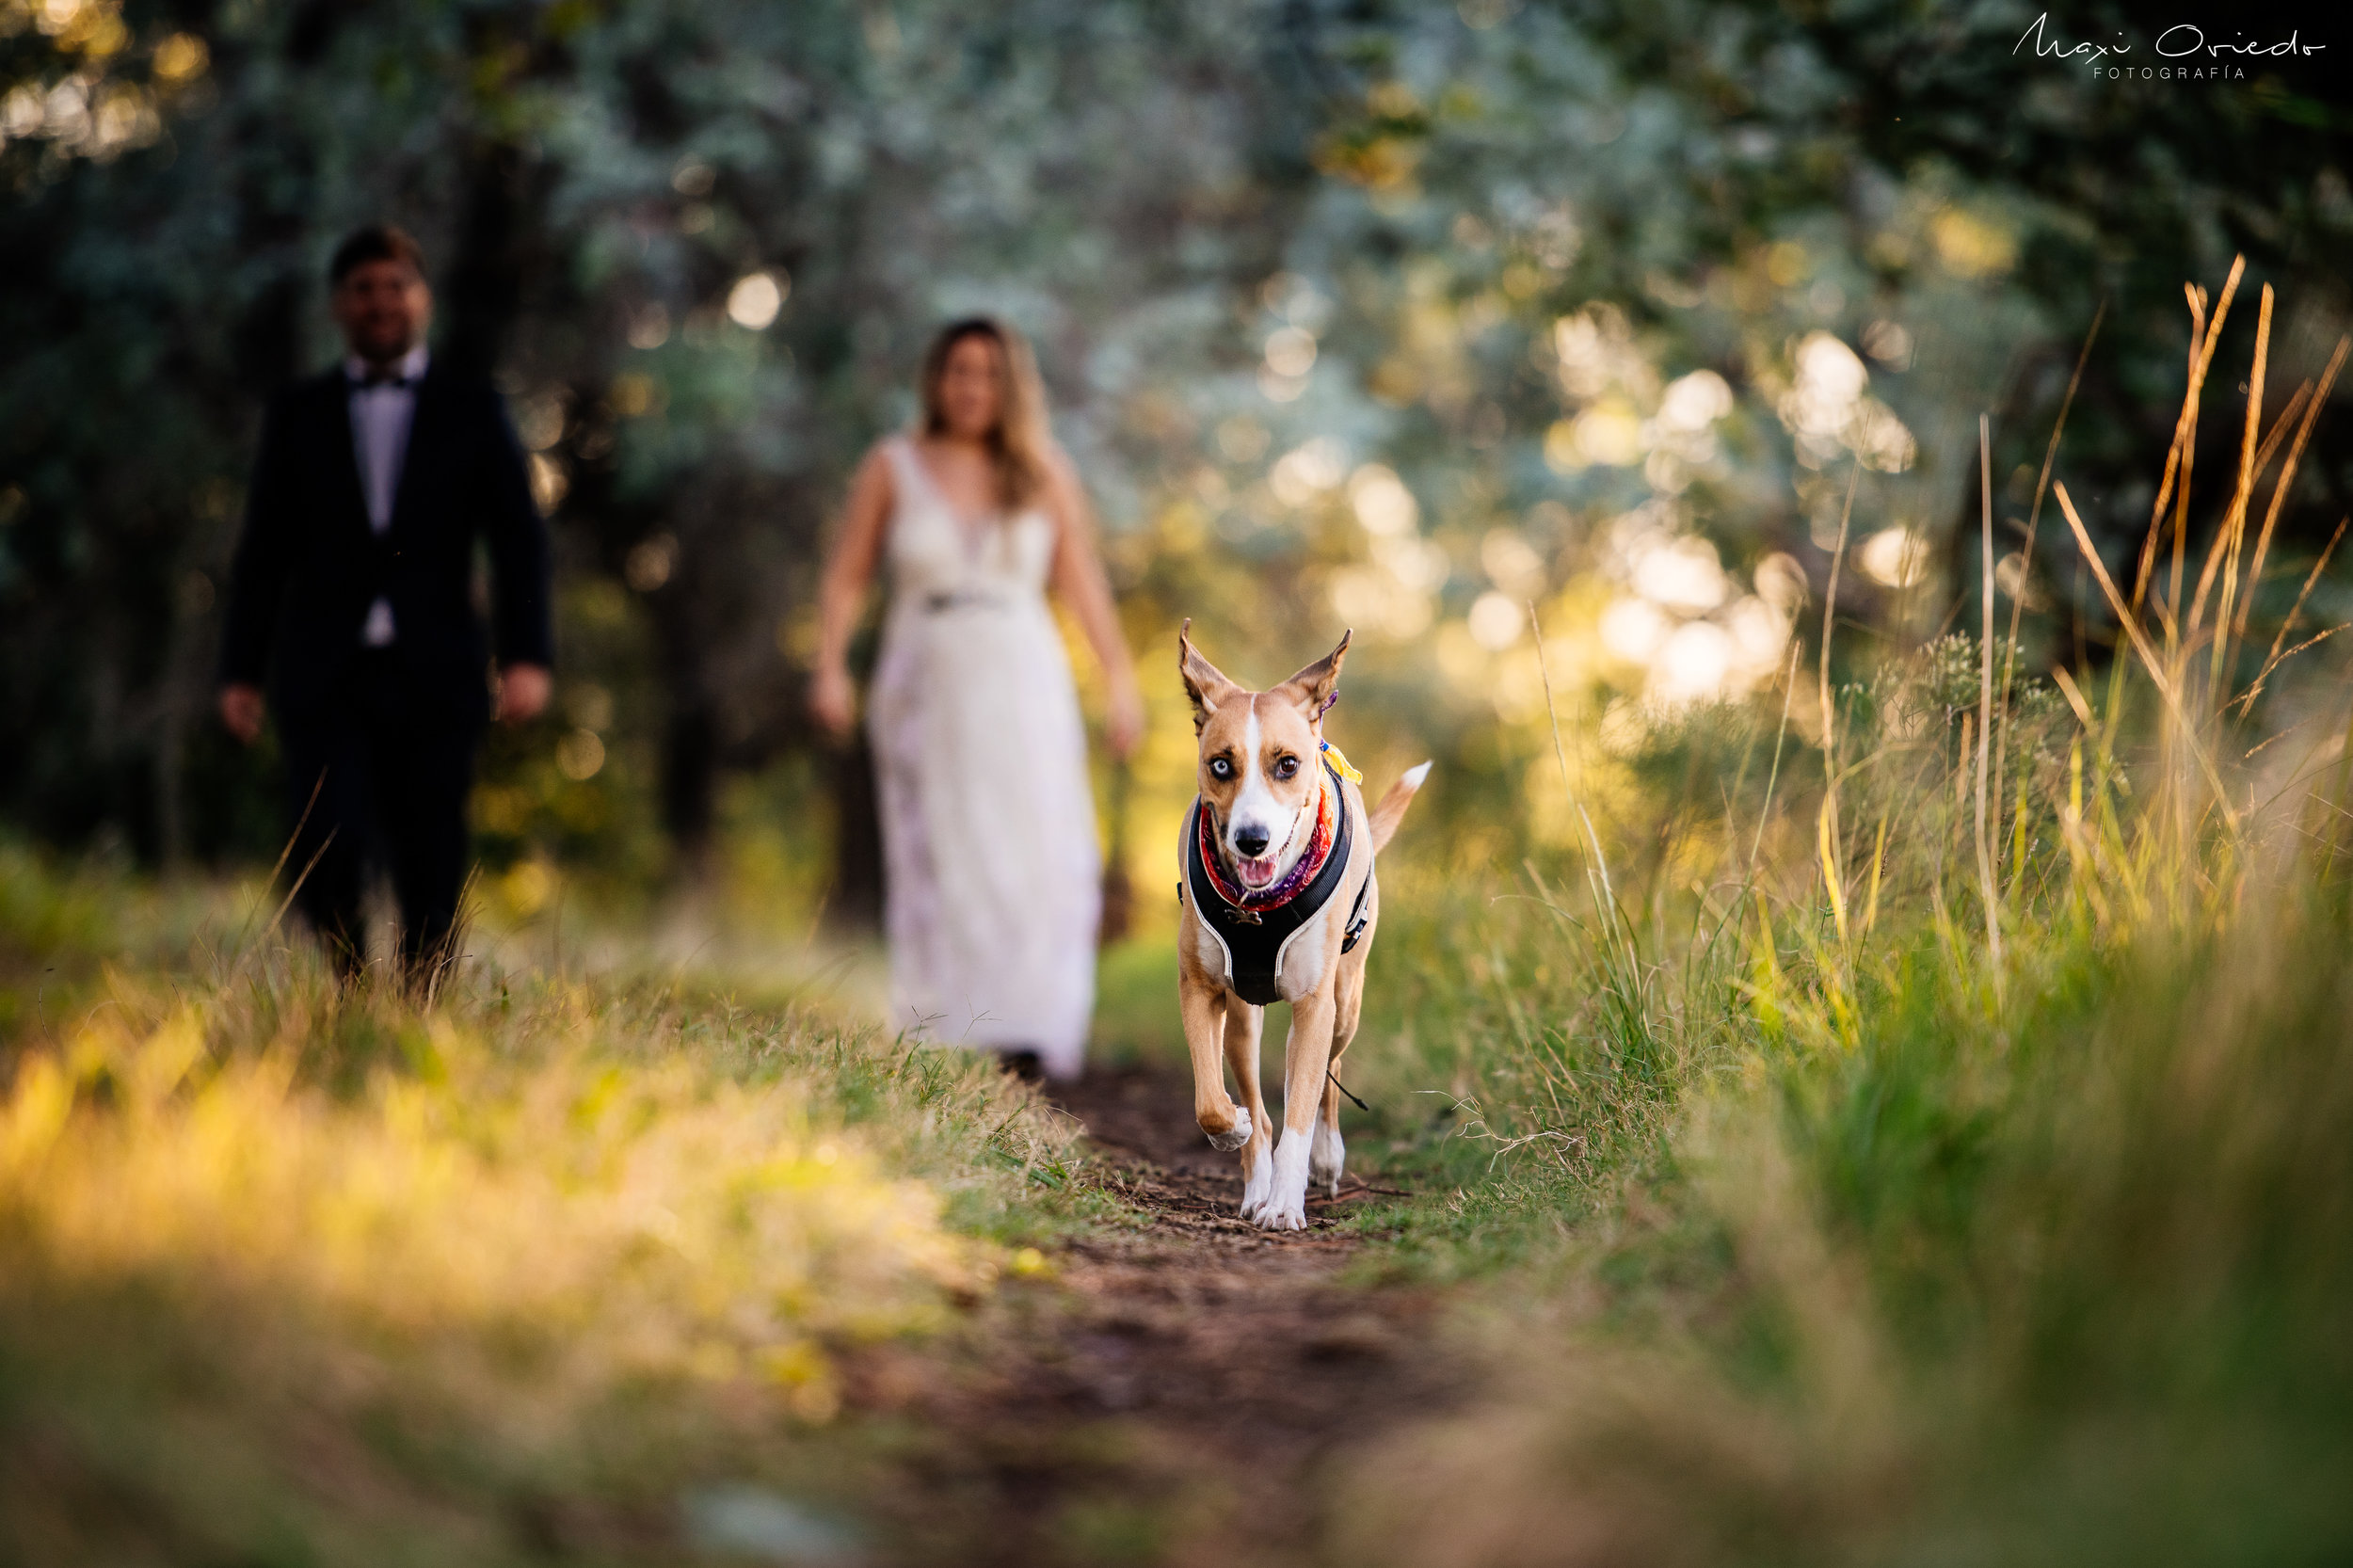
[[1338, 760]]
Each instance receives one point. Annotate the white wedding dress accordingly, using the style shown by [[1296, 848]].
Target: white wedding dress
[[992, 877]]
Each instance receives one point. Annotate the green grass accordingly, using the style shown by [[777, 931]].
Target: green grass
[[2057, 1280], [1818, 1227]]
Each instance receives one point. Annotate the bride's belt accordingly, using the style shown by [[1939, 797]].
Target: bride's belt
[[964, 599]]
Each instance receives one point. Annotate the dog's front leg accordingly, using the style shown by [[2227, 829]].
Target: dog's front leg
[[1307, 1054], [1203, 1008], [1328, 1155], [1242, 1025]]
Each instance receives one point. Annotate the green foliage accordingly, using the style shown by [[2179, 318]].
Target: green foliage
[[594, 186], [1398, 317]]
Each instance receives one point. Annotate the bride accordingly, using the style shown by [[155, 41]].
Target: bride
[[991, 879]]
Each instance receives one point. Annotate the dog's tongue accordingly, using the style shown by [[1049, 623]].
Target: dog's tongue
[[1257, 873]]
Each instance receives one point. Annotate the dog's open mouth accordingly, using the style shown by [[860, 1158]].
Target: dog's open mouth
[[1255, 875]]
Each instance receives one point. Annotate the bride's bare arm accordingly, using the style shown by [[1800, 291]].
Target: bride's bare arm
[[1080, 578], [841, 592]]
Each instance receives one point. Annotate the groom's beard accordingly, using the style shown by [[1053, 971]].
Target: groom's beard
[[385, 347]]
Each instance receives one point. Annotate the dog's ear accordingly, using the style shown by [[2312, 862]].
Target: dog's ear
[[1313, 687], [1204, 682]]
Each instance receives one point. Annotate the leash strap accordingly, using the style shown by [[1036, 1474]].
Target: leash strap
[[1343, 1089]]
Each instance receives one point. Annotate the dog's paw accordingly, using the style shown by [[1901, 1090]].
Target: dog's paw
[[1286, 1204], [1277, 1215], [1326, 1156], [1236, 1136], [1257, 1187]]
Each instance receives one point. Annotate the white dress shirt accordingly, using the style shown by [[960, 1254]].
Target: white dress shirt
[[380, 416]]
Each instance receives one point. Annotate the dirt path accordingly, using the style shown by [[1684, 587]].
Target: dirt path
[[1174, 1396]]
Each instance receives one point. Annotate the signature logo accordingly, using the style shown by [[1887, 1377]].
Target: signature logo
[[2184, 52]]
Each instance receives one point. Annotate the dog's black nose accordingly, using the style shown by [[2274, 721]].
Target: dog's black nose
[[1250, 841]]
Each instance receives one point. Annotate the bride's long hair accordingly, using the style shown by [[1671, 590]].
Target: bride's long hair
[[1020, 441]]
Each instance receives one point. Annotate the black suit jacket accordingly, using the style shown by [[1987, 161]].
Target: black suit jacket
[[307, 565]]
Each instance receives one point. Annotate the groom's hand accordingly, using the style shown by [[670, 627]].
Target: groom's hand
[[524, 693], [241, 711]]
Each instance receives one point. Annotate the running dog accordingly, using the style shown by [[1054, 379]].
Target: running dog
[[1280, 902]]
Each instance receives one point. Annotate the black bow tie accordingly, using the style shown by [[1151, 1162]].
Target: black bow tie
[[384, 378]]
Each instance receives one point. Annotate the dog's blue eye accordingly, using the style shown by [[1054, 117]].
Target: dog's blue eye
[[1287, 767], [1220, 768]]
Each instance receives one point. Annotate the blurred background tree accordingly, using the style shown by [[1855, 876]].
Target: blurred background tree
[[1398, 316]]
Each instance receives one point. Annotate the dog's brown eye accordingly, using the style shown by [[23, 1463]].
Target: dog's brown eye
[[1286, 767], [1220, 768]]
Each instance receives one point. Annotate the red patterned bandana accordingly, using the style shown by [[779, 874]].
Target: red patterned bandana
[[1302, 873]]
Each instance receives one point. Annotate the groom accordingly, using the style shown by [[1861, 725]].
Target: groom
[[351, 595]]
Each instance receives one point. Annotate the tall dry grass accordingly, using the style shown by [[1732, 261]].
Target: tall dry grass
[[1968, 1176]]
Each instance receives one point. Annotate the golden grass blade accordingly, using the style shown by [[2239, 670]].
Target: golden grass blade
[[2189, 457], [2271, 660], [1879, 856], [1826, 843], [2204, 336], [2281, 659], [1960, 764], [2287, 477], [2229, 539], [2147, 655], [2243, 500], [2074, 694], [2287, 416]]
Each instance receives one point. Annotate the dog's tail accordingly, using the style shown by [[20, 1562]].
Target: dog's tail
[[1391, 811]]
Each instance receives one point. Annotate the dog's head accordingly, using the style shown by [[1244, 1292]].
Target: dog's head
[[1260, 751]]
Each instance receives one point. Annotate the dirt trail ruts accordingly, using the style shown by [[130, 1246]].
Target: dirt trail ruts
[[1174, 1396]]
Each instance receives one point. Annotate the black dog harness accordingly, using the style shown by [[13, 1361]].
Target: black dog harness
[[1254, 940]]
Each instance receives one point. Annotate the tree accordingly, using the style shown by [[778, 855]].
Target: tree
[[1393, 315], [701, 245]]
